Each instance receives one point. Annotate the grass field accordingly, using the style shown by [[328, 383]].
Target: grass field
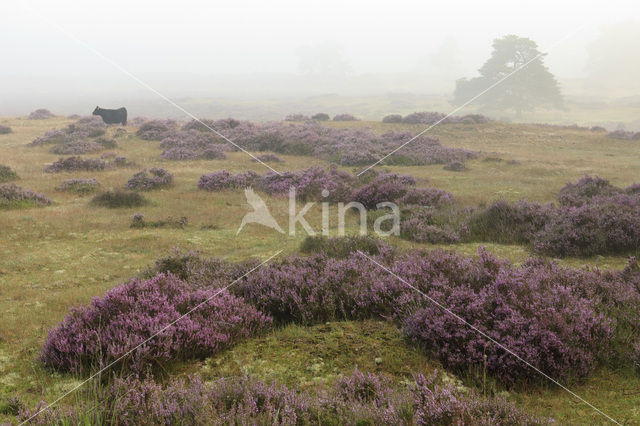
[[62, 255]]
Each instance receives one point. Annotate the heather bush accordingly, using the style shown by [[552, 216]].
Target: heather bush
[[296, 117], [455, 166], [392, 118], [591, 229], [222, 180], [344, 117], [106, 142], [5, 130], [92, 337], [622, 134], [40, 114], [321, 116], [77, 147], [386, 187], [138, 222], [432, 197], [268, 158], [52, 137], [201, 125], [428, 225], [156, 130], [119, 199], [75, 164], [156, 178], [342, 247], [7, 174], [79, 186], [577, 194], [13, 196], [509, 223], [356, 399], [427, 117]]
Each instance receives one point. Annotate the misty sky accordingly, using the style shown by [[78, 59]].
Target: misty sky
[[262, 36]]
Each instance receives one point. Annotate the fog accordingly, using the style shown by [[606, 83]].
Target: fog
[[259, 59]]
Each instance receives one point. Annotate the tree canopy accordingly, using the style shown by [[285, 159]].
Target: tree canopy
[[530, 87]]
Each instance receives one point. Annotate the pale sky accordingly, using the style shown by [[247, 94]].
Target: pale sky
[[246, 36]]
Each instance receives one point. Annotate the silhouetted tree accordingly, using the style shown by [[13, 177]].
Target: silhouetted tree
[[531, 87]]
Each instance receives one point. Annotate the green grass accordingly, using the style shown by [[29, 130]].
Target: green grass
[[62, 255]]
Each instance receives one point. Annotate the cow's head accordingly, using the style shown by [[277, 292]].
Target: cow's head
[[96, 111]]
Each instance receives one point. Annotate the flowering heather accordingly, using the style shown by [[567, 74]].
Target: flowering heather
[[321, 116], [12, 196], [156, 178], [155, 130], [268, 158], [74, 164], [41, 114], [77, 147], [433, 197], [192, 144], [385, 187], [84, 128], [92, 337], [7, 174], [296, 117], [356, 399], [79, 186], [576, 194], [222, 180], [427, 117], [426, 225], [345, 117], [4, 130]]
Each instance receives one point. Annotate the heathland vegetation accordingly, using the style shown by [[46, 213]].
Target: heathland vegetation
[[527, 233]]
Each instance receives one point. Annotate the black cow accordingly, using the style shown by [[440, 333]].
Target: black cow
[[112, 116]]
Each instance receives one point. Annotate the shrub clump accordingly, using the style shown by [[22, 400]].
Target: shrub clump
[[7, 174], [91, 337], [5, 130], [156, 178], [40, 114], [296, 117], [155, 130], [77, 147], [385, 187], [74, 164], [107, 143], [321, 116], [342, 247], [119, 199], [79, 186], [455, 166], [344, 117], [13, 196], [267, 158], [138, 222], [392, 118]]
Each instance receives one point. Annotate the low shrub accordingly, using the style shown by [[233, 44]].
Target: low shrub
[[432, 197], [138, 222], [77, 147], [344, 117], [321, 116], [455, 166], [91, 337], [7, 174], [386, 187], [119, 199], [74, 164], [428, 225], [157, 178], [13, 196], [40, 114], [267, 158], [622, 134], [296, 117], [342, 247], [107, 143], [79, 186], [5, 130], [392, 118], [588, 187], [155, 130]]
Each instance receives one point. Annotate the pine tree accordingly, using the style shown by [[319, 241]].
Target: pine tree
[[531, 87]]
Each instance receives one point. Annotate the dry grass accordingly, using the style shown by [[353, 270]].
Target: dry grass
[[54, 257]]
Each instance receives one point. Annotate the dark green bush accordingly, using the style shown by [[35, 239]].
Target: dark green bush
[[119, 199], [341, 247], [7, 174]]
